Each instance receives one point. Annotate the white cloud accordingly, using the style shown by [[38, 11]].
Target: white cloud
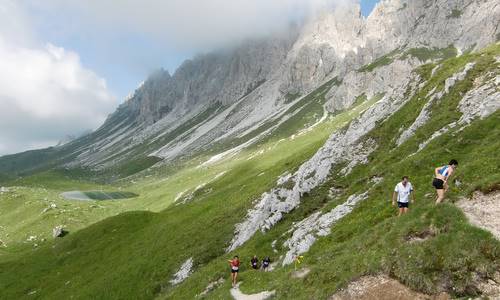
[[45, 92], [191, 24]]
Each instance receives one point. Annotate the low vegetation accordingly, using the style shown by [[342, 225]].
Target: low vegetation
[[134, 254]]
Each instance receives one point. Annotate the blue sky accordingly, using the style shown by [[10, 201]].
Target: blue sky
[[367, 6]]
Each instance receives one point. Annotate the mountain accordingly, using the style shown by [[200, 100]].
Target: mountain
[[282, 146], [224, 99]]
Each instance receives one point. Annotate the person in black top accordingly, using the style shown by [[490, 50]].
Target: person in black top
[[265, 263], [254, 262]]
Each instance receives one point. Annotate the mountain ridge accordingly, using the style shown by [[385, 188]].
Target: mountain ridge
[[330, 46]]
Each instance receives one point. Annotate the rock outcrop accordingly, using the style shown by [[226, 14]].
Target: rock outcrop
[[479, 102], [226, 94], [58, 231], [305, 233], [338, 148], [183, 273], [424, 115], [483, 211]]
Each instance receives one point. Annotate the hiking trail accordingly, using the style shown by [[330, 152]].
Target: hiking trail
[[238, 295]]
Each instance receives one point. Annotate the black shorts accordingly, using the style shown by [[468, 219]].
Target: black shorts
[[438, 183], [234, 271], [403, 204]]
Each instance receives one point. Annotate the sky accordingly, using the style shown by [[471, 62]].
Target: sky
[[66, 64]]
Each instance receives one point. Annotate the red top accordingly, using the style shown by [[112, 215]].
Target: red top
[[235, 263]]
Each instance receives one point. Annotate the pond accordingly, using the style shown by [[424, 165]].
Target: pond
[[97, 195]]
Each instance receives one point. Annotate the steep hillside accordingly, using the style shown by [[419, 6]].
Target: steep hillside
[[136, 254]]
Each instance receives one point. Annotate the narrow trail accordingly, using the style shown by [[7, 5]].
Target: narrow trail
[[238, 295], [483, 211], [381, 287]]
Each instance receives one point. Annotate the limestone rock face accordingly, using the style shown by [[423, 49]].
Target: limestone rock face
[[222, 76], [467, 24], [229, 93], [58, 231], [183, 273], [341, 147], [305, 233], [327, 46]]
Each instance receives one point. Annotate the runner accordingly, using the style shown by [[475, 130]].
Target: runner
[[254, 262], [402, 193], [441, 177], [235, 267], [265, 263]]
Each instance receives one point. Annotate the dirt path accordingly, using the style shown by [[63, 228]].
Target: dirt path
[[301, 273], [238, 295], [483, 211], [381, 287]]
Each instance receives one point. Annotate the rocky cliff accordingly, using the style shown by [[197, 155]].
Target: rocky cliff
[[232, 98]]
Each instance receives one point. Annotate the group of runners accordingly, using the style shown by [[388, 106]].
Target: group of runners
[[404, 189], [402, 193], [254, 264]]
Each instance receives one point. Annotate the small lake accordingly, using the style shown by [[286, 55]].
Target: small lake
[[97, 195]]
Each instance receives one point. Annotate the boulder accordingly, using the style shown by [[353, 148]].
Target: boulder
[[58, 231]]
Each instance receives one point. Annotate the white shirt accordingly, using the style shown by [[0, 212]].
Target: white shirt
[[403, 192]]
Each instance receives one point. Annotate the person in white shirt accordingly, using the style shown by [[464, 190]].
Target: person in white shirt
[[402, 193]]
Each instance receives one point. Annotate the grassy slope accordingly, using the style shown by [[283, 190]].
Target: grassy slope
[[43, 189], [144, 249], [275, 157], [372, 239]]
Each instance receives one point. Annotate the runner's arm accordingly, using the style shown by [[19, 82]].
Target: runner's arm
[[449, 174]]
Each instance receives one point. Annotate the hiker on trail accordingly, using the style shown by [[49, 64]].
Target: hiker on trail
[[235, 267], [402, 193], [265, 263], [254, 262], [441, 177]]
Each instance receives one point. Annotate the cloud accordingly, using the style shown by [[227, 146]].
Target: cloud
[[191, 24], [45, 92]]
